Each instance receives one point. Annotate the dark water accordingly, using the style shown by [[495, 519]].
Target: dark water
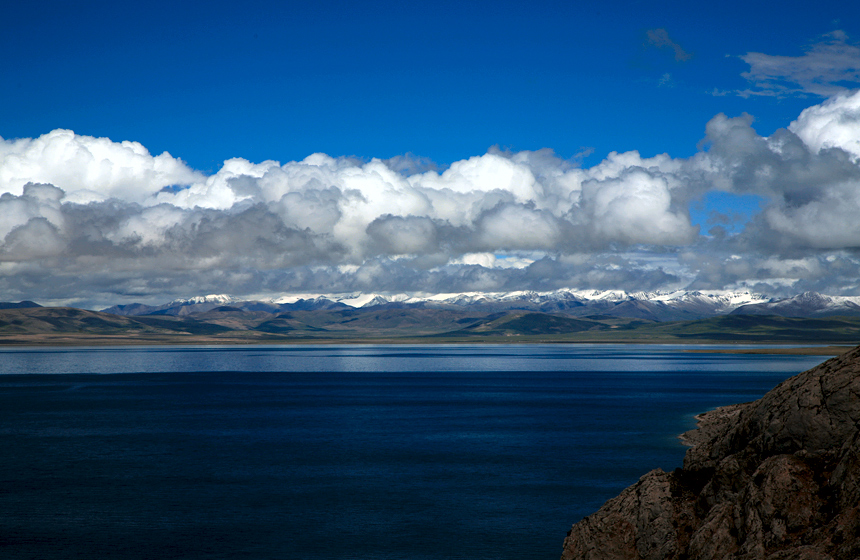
[[487, 452]]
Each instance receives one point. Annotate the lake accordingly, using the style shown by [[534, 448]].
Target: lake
[[341, 452]]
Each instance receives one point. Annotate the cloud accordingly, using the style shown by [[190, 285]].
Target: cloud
[[660, 38], [396, 235], [498, 201], [809, 173], [827, 68], [36, 239], [36, 201], [88, 168], [636, 207], [86, 220], [518, 226], [832, 124]]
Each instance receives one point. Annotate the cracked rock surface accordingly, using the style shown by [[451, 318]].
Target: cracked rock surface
[[774, 479]]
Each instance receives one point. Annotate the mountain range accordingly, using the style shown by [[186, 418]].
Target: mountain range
[[652, 306], [560, 316]]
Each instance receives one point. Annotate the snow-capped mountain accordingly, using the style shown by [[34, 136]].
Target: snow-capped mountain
[[655, 306], [178, 307], [651, 305], [220, 299], [807, 304]]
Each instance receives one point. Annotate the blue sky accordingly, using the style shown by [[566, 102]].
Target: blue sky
[[442, 81]]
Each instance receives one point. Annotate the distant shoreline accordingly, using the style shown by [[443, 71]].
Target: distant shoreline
[[82, 340]]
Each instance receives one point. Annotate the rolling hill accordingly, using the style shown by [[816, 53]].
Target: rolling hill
[[386, 323]]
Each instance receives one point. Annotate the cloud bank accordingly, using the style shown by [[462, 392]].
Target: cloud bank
[[91, 221]]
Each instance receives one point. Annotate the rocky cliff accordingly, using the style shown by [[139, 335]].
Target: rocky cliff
[[775, 479]]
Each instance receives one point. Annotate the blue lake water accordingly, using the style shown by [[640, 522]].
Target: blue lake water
[[342, 452]]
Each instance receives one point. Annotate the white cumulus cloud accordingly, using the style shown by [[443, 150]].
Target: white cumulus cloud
[[832, 124], [89, 168]]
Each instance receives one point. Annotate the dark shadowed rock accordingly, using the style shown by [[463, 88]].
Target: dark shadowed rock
[[775, 479]]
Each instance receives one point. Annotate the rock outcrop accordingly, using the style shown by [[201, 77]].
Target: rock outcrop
[[775, 479]]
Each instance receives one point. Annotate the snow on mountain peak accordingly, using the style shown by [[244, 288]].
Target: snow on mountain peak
[[720, 301], [661, 306], [211, 298]]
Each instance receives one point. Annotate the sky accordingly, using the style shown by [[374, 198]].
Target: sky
[[153, 151]]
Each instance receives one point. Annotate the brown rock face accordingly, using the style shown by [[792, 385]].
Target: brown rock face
[[775, 479]]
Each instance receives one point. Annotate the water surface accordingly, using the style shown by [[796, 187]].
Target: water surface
[[394, 452]]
